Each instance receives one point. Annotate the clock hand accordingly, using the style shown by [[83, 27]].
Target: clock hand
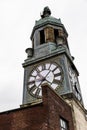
[[40, 75], [47, 74], [45, 78], [36, 80]]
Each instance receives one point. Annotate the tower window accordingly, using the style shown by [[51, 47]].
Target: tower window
[[63, 124], [56, 35], [42, 37]]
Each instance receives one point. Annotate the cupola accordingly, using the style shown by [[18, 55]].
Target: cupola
[[48, 29]]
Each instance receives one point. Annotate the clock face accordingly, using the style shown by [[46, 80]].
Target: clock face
[[47, 72], [75, 83]]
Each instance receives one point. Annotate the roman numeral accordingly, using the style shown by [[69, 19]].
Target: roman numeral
[[43, 67], [32, 89], [31, 82], [48, 65], [38, 71], [37, 92], [56, 81], [58, 74]]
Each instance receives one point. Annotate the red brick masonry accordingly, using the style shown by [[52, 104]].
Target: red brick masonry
[[42, 116]]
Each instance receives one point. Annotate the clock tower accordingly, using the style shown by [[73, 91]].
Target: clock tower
[[49, 60]]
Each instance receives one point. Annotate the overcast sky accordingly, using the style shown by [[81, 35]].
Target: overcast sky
[[17, 18]]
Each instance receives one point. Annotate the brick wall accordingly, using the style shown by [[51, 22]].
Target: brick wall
[[42, 116]]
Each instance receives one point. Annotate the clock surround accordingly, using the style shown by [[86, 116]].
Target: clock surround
[[49, 72]]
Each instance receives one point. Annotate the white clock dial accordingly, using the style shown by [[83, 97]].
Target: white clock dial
[[47, 72], [75, 83]]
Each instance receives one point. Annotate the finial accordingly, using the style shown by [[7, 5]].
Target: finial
[[46, 12]]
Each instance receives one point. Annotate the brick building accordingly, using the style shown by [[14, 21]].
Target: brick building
[[52, 98], [44, 115]]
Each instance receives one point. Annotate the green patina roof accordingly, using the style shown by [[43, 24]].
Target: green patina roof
[[46, 19]]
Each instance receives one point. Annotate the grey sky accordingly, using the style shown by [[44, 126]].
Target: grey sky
[[17, 18]]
